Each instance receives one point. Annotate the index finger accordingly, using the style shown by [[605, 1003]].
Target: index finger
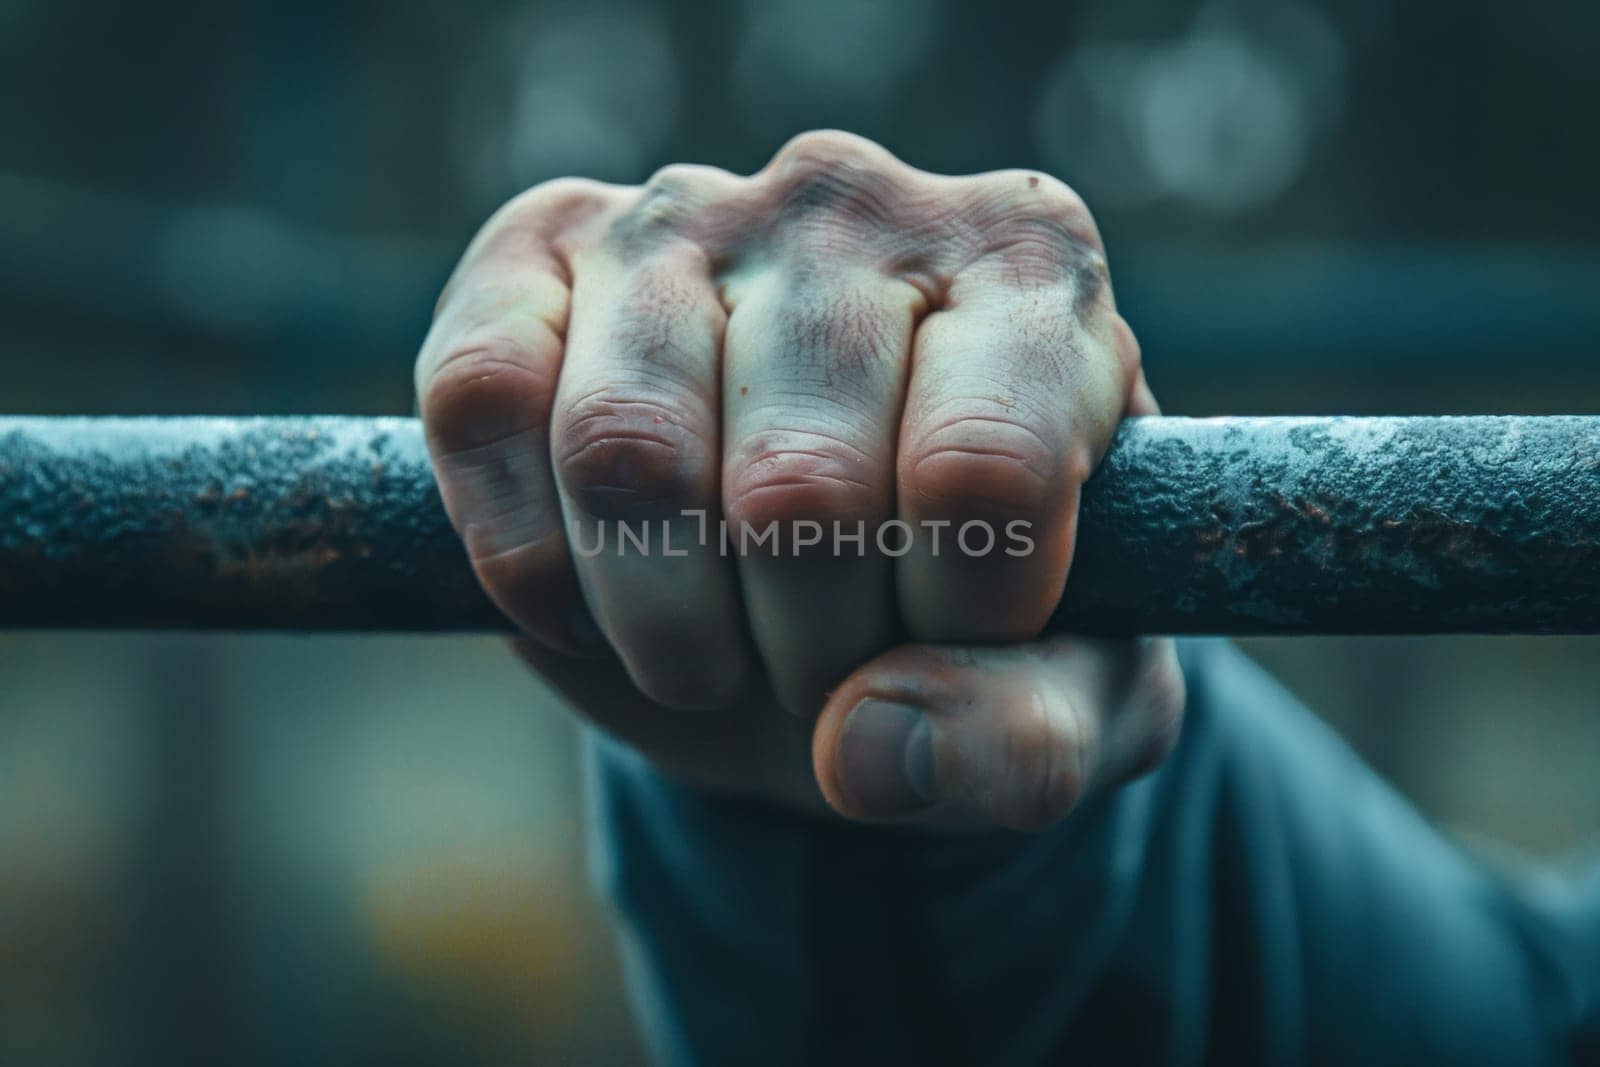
[[486, 383]]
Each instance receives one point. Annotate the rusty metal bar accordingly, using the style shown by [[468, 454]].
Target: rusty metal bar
[[1239, 525]]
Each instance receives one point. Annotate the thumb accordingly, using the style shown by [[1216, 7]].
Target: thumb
[[1002, 736]]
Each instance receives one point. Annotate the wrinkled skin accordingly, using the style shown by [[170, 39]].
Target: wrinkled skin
[[837, 338]]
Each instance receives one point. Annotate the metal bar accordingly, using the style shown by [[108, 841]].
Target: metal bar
[[1229, 526]]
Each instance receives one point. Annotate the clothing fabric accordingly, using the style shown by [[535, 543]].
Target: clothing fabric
[[1262, 898]]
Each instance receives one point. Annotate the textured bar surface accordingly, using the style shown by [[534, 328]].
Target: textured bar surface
[[1228, 526]]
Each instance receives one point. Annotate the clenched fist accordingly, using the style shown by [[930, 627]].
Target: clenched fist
[[811, 439]]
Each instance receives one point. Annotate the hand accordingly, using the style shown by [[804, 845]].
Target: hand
[[837, 340]]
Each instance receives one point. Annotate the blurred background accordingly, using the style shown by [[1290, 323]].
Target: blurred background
[[286, 850]]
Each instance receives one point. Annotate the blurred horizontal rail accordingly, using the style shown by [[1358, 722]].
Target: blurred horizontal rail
[[1228, 526], [132, 264]]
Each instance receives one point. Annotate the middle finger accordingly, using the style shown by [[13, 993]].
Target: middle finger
[[815, 367]]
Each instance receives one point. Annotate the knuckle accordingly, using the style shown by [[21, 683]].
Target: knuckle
[[1056, 200], [536, 218], [977, 464], [1029, 196], [620, 453], [827, 149], [684, 183], [556, 199], [1045, 766], [829, 172], [675, 181], [533, 226], [667, 206], [1042, 231], [485, 393], [1042, 253], [787, 477], [1164, 696]]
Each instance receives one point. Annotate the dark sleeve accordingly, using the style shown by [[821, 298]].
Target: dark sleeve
[[1263, 898]]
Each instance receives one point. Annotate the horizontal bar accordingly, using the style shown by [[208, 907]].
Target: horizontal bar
[[1226, 526]]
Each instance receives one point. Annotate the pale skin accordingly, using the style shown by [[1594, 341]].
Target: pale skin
[[837, 338]]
